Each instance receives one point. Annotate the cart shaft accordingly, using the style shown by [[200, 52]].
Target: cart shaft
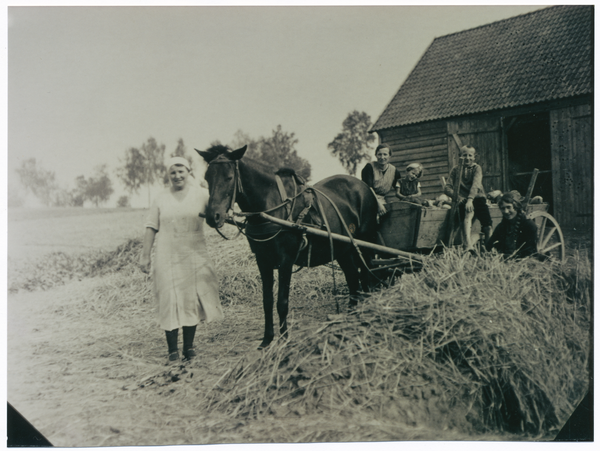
[[343, 238]]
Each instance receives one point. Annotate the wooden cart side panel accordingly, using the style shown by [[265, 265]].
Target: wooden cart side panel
[[433, 224], [400, 225], [408, 227], [497, 216], [432, 231]]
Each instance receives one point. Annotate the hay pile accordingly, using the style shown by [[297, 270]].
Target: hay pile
[[125, 287], [467, 343], [58, 268]]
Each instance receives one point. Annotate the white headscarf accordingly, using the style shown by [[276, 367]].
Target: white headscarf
[[178, 160], [417, 167]]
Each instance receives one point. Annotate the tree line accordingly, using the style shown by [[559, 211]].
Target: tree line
[[144, 165]]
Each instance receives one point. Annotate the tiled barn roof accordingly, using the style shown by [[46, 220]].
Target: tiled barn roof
[[535, 57]]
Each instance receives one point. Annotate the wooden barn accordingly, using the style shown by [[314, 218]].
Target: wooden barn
[[520, 92]]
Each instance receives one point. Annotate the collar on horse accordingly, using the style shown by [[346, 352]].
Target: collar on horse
[[284, 197]]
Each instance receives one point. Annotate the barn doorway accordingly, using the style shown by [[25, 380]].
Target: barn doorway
[[528, 147]]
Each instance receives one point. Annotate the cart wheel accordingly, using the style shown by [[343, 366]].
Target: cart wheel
[[550, 241]]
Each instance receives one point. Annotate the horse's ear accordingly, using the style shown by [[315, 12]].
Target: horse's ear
[[208, 156], [238, 153]]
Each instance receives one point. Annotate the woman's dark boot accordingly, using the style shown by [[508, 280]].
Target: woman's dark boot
[[188, 342], [172, 344]]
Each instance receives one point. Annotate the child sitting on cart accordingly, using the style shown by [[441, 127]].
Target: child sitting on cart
[[515, 236], [408, 188], [466, 188]]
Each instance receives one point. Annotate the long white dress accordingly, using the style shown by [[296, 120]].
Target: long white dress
[[185, 282]]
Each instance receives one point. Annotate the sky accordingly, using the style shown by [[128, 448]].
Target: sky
[[87, 83]]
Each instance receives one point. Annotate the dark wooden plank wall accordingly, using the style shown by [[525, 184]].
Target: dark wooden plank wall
[[572, 166], [432, 145], [485, 135], [425, 143]]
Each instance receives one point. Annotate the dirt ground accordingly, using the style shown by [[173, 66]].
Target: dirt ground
[[73, 375], [58, 367], [81, 388]]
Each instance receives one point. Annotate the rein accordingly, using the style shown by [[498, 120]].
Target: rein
[[237, 182], [286, 203], [238, 188]]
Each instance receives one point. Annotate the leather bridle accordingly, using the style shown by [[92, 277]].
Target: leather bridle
[[237, 180]]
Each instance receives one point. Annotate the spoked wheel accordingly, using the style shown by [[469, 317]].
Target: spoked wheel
[[550, 239]]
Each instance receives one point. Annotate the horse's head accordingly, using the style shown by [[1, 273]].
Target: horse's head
[[223, 180]]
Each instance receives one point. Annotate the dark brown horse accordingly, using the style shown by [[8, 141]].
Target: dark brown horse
[[255, 189]]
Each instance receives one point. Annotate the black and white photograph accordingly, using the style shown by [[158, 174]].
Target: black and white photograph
[[310, 224]]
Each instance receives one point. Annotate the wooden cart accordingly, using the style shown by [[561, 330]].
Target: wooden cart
[[409, 230], [417, 229]]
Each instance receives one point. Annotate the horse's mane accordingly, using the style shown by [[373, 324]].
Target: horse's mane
[[260, 165], [289, 172]]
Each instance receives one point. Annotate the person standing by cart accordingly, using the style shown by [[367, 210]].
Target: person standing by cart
[[185, 282], [381, 176]]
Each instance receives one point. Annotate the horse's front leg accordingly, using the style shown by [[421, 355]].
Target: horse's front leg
[[266, 274], [283, 296]]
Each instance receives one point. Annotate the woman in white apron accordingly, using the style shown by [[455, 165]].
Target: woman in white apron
[[185, 283]]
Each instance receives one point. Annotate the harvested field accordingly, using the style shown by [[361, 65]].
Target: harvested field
[[467, 349]]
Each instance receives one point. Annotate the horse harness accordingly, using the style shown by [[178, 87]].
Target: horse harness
[[310, 199], [264, 228]]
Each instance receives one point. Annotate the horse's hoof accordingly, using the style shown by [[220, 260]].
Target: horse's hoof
[[264, 345]]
